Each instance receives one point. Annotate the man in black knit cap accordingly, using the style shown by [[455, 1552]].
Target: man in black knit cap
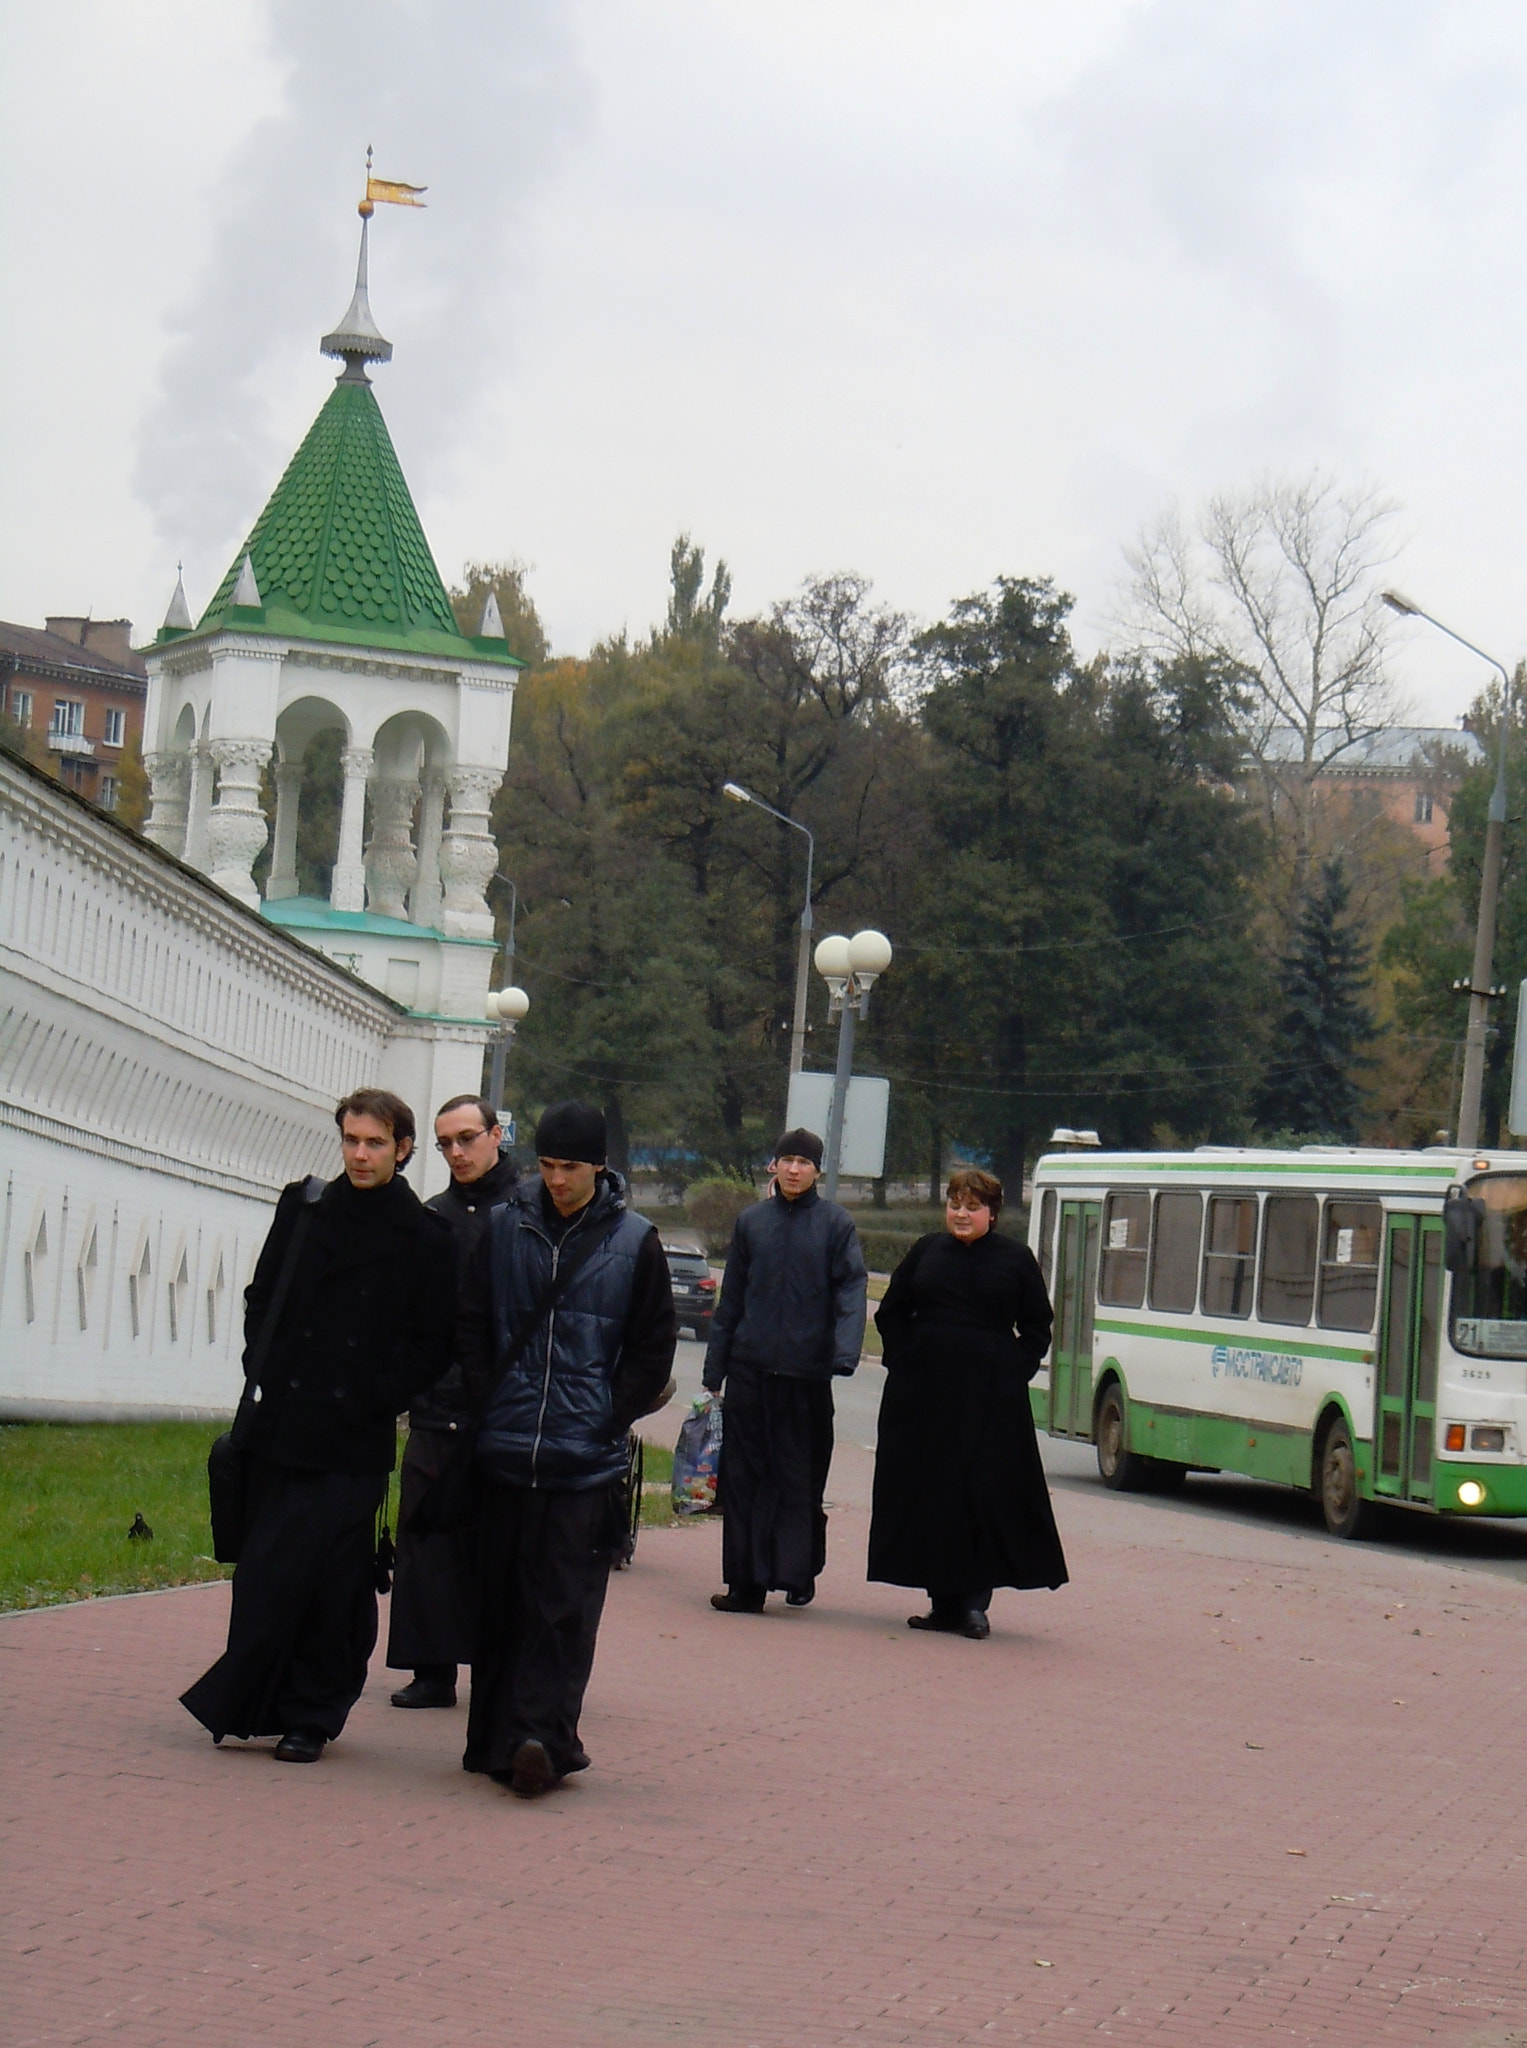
[[430, 1613], [566, 1337], [790, 1319]]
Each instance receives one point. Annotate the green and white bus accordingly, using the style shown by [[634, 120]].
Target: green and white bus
[[1347, 1321]]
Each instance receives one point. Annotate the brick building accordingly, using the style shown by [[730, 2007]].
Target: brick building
[[79, 689], [1413, 770]]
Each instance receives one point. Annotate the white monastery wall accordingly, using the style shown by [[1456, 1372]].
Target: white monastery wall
[[168, 1061]]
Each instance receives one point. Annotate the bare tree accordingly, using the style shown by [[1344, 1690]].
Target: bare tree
[[1280, 585]]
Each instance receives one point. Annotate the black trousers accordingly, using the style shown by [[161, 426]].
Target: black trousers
[[431, 1610], [303, 1624], [543, 1567], [776, 1448]]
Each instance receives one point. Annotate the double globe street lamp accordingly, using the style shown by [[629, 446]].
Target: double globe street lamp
[[850, 968]]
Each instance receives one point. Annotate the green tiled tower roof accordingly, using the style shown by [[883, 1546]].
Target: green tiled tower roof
[[339, 553]]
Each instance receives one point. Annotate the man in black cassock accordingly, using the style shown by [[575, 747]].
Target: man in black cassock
[[566, 1337], [429, 1628], [365, 1325], [790, 1320]]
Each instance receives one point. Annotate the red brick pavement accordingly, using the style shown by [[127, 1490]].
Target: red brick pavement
[[1225, 1786]]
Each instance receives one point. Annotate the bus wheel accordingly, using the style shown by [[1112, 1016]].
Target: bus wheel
[[1346, 1512], [1121, 1468]]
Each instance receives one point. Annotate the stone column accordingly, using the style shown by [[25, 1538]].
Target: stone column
[[198, 805], [468, 856], [424, 903], [348, 890], [170, 780], [390, 860], [236, 828], [283, 854]]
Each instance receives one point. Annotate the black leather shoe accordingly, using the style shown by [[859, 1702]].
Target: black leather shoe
[[975, 1625], [425, 1692], [300, 1746], [800, 1596], [734, 1603], [531, 1770], [937, 1624]]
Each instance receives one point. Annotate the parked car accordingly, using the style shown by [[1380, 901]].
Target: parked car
[[694, 1288]]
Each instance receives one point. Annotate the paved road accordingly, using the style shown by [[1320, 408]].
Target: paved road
[[1235, 1783]]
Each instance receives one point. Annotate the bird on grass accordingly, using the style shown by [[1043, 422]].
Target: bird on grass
[[140, 1532]]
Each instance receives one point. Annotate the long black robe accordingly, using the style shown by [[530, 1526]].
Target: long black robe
[[960, 1499], [367, 1324], [776, 1451], [430, 1614]]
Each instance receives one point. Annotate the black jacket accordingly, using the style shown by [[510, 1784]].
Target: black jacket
[[366, 1325], [557, 1419], [793, 1297], [465, 1208]]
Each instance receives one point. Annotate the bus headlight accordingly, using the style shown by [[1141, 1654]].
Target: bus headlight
[[1488, 1439], [1470, 1494]]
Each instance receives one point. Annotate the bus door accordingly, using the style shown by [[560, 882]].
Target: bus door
[[1076, 1286], [1406, 1419]]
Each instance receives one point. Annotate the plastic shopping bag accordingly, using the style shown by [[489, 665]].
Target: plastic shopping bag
[[697, 1458]]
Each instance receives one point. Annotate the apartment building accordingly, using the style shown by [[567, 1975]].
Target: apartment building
[[79, 689]]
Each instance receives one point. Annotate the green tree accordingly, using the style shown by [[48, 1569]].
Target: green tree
[[522, 622], [1431, 946], [1311, 1084], [1077, 905]]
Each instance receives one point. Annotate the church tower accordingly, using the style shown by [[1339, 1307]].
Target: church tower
[[332, 618]]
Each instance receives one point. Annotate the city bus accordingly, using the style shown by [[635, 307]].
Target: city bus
[[1352, 1322]]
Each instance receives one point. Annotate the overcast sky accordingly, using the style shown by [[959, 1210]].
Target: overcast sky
[[931, 292]]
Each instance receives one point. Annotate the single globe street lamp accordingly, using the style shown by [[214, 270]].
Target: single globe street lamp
[[1480, 984], [850, 968], [508, 1007], [740, 795]]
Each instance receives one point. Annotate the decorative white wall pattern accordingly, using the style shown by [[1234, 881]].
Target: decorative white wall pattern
[[168, 1061]]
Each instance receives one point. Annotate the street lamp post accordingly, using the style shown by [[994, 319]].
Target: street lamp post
[[740, 795], [509, 1007], [850, 968], [1481, 990]]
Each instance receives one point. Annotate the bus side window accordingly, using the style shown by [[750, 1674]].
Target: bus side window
[[1126, 1229], [1349, 1265], [1290, 1239], [1047, 1235], [1230, 1255], [1174, 1253]]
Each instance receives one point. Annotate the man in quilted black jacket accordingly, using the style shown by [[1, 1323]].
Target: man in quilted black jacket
[[553, 1414]]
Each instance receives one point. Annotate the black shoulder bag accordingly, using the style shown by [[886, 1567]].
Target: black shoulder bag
[[228, 1461], [450, 1500]]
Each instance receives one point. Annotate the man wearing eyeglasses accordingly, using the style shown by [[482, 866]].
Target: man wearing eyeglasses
[[430, 1631]]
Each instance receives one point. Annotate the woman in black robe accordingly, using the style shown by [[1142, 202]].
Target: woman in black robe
[[960, 1502]]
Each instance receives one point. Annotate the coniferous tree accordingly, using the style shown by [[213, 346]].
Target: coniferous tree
[[1310, 1086]]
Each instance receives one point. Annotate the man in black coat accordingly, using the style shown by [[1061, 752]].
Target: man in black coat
[[430, 1622], [567, 1335], [790, 1320], [364, 1324]]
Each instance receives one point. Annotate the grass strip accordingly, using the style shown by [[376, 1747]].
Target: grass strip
[[68, 1496], [69, 1493]]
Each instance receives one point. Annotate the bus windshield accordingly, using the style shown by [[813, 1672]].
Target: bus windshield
[[1489, 1313]]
